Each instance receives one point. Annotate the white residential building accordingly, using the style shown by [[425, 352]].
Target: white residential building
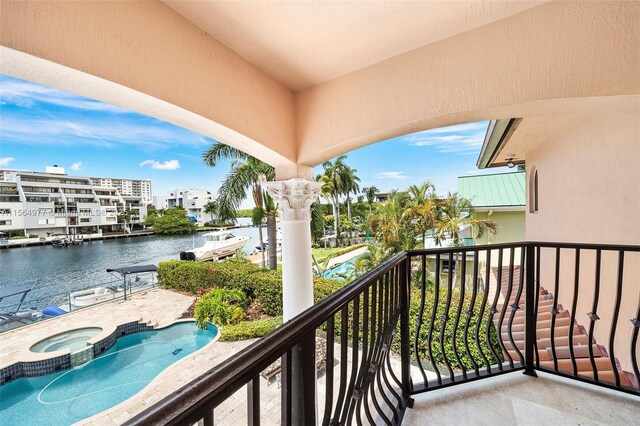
[[133, 187], [55, 203], [192, 200]]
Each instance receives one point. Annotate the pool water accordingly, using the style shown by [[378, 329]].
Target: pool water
[[72, 395], [73, 339], [343, 268]]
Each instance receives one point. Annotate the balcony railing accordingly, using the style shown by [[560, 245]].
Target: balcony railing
[[406, 327]]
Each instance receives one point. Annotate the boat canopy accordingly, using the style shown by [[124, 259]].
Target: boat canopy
[[134, 269], [12, 291]]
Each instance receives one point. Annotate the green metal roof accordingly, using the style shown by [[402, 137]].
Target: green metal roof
[[497, 190]]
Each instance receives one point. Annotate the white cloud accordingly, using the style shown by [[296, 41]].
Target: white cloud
[[460, 139], [391, 175], [27, 94], [106, 133], [165, 165], [4, 161], [76, 166]]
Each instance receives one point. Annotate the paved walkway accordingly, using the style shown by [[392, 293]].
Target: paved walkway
[[156, 306], [347, 256]]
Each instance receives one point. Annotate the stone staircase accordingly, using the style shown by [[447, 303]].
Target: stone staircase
[[563, 328]]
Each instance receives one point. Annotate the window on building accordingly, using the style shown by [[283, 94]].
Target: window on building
[[447, 266], [533, 191]]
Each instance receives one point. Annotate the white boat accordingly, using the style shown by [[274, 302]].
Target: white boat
[[217, 245], [95, 295], [266, 241]]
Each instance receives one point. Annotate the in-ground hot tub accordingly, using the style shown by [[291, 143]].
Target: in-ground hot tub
[[76, 340]]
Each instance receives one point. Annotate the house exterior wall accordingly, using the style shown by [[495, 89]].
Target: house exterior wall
[[511, 226], [589, 191]]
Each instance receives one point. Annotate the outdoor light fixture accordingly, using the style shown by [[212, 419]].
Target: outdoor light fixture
[[509, 160]]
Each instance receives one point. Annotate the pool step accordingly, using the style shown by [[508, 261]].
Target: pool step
[[148, 323]]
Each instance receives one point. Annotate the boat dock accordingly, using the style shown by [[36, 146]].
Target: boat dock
[[43, 241]]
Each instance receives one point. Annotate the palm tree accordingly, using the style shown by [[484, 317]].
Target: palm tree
[[457, 215], [390, 225], [257, 216], [374, 256], [247, 173], [212, 208], [370, 192], [336, 183], [351, 185], [422, 210]]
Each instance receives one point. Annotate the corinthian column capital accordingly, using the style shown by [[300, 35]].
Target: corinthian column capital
[[295, 197]]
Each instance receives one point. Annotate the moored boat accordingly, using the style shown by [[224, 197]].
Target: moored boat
[[218, 244]]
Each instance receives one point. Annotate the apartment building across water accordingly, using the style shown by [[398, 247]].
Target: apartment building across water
[[194, 201], [56, 203]]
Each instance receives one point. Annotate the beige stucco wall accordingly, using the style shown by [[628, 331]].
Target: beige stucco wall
[[515, 67], [589, 191]]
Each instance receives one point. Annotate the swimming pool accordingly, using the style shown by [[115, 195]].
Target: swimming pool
[[342, 269], [72, 395]]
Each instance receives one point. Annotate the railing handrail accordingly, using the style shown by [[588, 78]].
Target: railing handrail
[[521, 244], [220, 382]]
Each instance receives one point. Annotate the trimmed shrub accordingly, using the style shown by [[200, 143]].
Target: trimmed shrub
[[249, 329], [254, 282], [221, 307], [194, 276]]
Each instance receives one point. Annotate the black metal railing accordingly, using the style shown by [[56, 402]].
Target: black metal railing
[[463, 314], [486, 310], [344, 341]]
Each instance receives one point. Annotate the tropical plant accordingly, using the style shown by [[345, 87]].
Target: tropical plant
[[422, 209], [352, 185], [221, 306], [212, 208], [317, 221], [319, 268], [247, 173], [257, 216], [126, 216], [174, 221], [389, 223], [334, 184], [457, 215], [375, 255]]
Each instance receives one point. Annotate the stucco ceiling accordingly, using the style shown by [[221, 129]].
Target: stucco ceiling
[[302, 44]]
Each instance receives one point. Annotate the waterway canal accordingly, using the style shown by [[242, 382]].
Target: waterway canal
[[53, 272]]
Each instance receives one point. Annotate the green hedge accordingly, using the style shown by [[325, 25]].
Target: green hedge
[[196, 276], [249, 329], [254, 282]]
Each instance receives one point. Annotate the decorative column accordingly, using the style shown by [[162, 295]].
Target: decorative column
[[295, 197]]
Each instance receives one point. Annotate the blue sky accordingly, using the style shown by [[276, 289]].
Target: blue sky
[[41, 126]]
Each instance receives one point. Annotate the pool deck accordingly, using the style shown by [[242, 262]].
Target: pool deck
[[155, 306]]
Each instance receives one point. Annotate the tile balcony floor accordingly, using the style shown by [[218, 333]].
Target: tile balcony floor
[[516, 399]]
